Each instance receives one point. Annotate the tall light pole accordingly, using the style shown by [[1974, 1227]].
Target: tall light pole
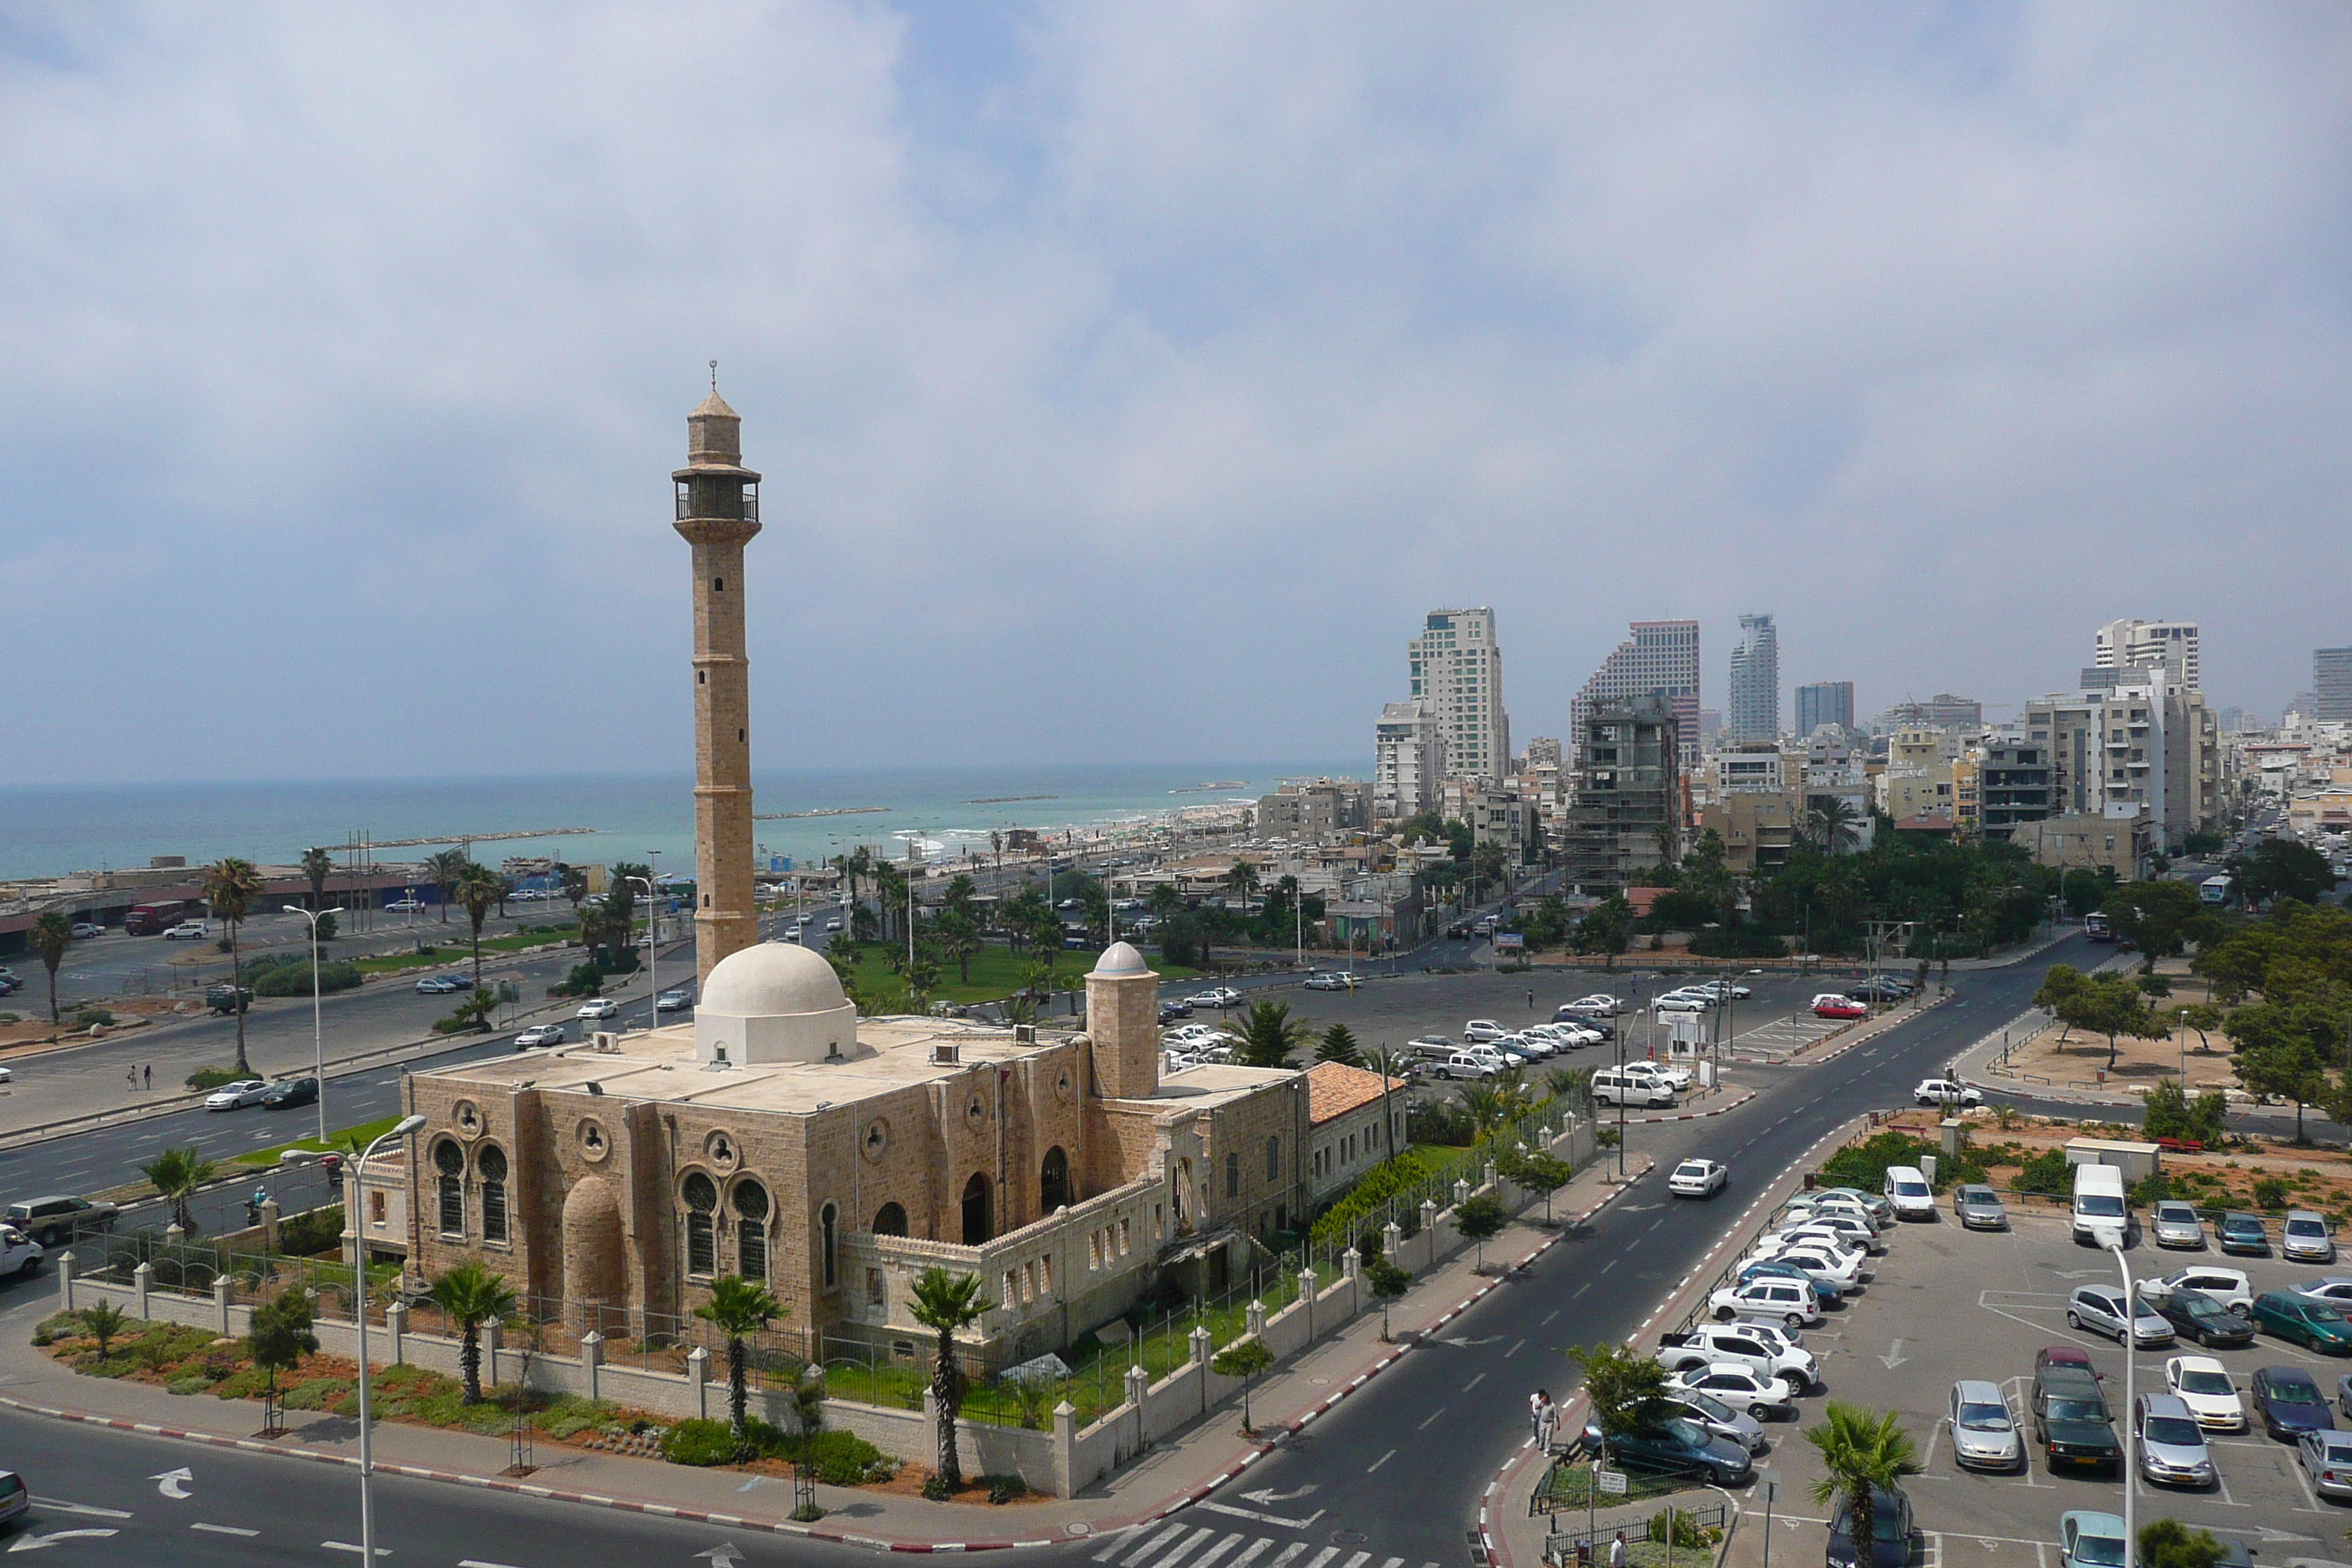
[[402, 1128], [653, 952], [2112, 1238], [318, 1039]]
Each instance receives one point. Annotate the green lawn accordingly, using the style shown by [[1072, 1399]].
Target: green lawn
[[996, 972], [460, 946], [365, 1130]]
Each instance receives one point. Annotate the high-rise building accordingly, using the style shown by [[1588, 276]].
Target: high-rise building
[[1457, 667], [1752, 708], [1824, 703], [1661, 657], [2331, 672], [1626, 820], [1942, 711], [1408, 760], [2139, 645], [2146, 746], [718, 513]]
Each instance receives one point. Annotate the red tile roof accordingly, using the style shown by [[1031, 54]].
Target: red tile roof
[[1335, 1089]]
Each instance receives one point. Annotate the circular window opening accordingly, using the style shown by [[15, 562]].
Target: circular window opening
[[701, 1193], [493, 1161], [752, 1200], [448, 1159]]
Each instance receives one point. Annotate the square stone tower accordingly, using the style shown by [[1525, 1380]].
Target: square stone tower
[[718, 513], [1123, 1023]]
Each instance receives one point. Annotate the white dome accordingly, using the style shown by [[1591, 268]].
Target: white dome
[[1118, 959], [771, 980]]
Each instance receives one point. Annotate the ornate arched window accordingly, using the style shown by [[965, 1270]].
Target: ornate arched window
[[701, 1237], [490, 1162], [1053, 1182], [449, 1161], [828, 1226], [890, 1220], [751, 1230], [975, 1211]]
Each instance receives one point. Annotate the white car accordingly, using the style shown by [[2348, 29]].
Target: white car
[[1482, 1032], [1841, 1231], [2336, 1293], [1947, 1091], [82, 931], [1216, 997], [2203, 1385], [677, 1001], [834, 924], [539, 1034], [1324, 980], [405, 906], [1601, 1004], [599, 1008], [2228, 1286], [1762, 1397], [188, 931], [236, 1096], [1679, 1004], [1844, 1266], [1774, 1298], [1698, 1178]]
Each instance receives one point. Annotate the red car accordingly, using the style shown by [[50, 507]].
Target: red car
[[1838, 1007]]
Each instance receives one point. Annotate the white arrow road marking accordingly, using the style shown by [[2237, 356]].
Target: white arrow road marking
[[347, 1546], [477, 1562], [722, 1555], [35, 1543], [1894, 1356], [1270, 1496], [2270, 1536], [64, 1507], [1469, 1344], [172, 1484], [1262, 1518]]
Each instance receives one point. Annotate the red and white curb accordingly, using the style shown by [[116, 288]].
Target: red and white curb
[[1696, 1115]]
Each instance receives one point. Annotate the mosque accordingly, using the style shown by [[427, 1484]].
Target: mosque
[[781, 1137]]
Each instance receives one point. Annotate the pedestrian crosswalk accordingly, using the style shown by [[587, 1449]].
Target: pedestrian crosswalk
[[1181, 1545]]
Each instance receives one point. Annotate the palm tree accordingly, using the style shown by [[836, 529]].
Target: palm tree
[[575, 888], [479, 890], [947, 1304], [1270, 1034], [1862, 1450], [445, 867], [50, 938], [230, 886], [958, 938], [1831, 824], [1498, 1102], [318, 865], [471, 1296], [1242, 880], [737, 1308], [176, 1174]]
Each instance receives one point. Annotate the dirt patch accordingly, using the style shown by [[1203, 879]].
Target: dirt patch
[[910, 1481], [2070, 1056]]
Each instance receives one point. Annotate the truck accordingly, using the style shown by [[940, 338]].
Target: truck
[[149, 920], [2096, 926], [1768, 1356], [2216, 889]]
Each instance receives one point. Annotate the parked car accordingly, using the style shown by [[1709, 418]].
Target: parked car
[[288, 1093], [10, 983], [1719, 1420], [2314, 1325], [2304, 1238], [2288, 1403], [2228, 1286], [1810, 1207], [2070, 1423], [85, 929], [2175, 1224], [60, 1217], [1890, 1528], [1852, 1229], [1907, 1190], [2326, 1458], [677, 1001], [1665, 1005], [1832, 1275], [1826, 1287], [16, 1497], [1947, 1091], [2091, 1540], [19, 1253], [442, 985], [1761, 1395], [1979, 1208], [1977, 1421], [1880, 1209], [2101, 1310], [405, 906], [1598, 1005], [539, 1034], [1698, 1178], [1172, 1010], [1838, 1007], [2203, 1385], [188, 931], [599, 1008], [1880, 988], [1329, 980], [1680, 1447], [2334, 1290], [238, 1095], [2169, 1443], [2243, 1235], [1482, 1032], [2196, 1316], [1216, 997], [1464, 1064]]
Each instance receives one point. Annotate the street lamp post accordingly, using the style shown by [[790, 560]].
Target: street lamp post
[[653, 949], [2112, 1237], [402, 1128], [318, 1039]]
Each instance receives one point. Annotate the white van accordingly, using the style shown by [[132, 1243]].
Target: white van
[[2099, 1203], [1906, 1188], [1615, 1086]]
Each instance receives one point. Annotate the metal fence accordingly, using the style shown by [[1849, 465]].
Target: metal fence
[[1564, 1549]]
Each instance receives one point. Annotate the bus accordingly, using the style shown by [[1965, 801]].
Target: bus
[[2098, 928], [2216, 889]]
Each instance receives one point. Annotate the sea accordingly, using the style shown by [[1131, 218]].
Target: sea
[[939, 813]]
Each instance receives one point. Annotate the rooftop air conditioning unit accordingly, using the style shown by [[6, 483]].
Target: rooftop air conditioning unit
[[1025, 1033], [605, 1040], [946, 1054]]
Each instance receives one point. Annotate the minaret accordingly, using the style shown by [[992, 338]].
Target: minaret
[[718, 513]]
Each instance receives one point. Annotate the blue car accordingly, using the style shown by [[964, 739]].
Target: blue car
[[2289, 1403]]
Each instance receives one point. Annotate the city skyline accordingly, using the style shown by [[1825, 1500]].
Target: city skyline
[[1298, 322]]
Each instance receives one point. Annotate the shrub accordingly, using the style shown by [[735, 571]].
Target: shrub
[[938, 1491], [189, 1382], [2270, 1192], [572, 1413], [1738, 942], [1864, 1164], [1391, 1180], [2154, 1190], [1681, 1527], [698, 1441], [1441, 1121], [2047, 1173], [1005, 1488], [319, 1393], [314, 1231], [2172, 1114], [293, 978], [87, 1016], [207, 1079], [843, 1458]]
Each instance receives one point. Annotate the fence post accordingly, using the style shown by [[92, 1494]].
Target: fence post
[[1254, 1315], [1307, 1294], [65, 1281], [1139, 1386], [220, 1300], [490, 1338], [1066, 1443], [395, 1321], [1199, 1338], [269, 1226], [1428, 1232], [1461, 1190], [697, 1373], [592, 1359], [142, 1279], [1391, 1239]]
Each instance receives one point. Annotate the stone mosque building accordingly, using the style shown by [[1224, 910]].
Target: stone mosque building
[[781, 1137]]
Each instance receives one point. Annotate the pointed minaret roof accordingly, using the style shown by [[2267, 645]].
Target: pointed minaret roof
[[714, 404]]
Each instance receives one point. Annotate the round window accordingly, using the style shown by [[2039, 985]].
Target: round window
[[751, 1200], [492, 1161], [701, 1193], [877, 1139], [976, 1112], [448, 1159], [593, 1144]]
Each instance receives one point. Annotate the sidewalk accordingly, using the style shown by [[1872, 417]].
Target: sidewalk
[[1170, 1476]]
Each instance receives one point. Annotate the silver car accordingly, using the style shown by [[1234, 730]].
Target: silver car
[[2304, 1238], [1979, 1208], [1719, 1419], [1984, 1435], [2170, 1445], [2176, 1224], [2101, 1311]]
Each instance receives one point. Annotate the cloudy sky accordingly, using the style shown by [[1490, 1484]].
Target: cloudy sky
[[1130, 380]]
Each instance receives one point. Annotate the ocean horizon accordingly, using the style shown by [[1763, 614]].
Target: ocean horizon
[[52, 830]]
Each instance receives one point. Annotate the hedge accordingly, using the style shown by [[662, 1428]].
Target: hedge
[[292, 977]]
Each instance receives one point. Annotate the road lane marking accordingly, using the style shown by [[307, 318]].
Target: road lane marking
[[1219, 1550], [477, 1562], [1474, 1383], [1154, 1544], [1376, 1464], [1184, 1550], [1432, 1415], [347, 1546], [225, 1529], [1260, 1544], [1289, 1555]]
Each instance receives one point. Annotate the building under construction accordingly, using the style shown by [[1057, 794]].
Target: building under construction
[[1627, 814]]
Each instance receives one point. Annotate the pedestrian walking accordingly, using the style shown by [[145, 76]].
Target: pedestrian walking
[[149, 1070], [1617, 1552], [1531, 1001], [131, 1078], [1547, 1422]]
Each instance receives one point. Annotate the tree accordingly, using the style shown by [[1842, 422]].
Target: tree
[[2282, 869], [1270, 1034], [738, 1309], [2059, 986], [176, 1174], [1478, 1219], [946, 1304], [1339, 1045], [444, 866], [103, 1321], [575, 891], [1572, 1087], [2280, 1056], [2168, 1543], [1831, 824], [1606, 929], [2153, 915], [961, 896], [1862, 1451], [470, 1295], [959, 938], [2112, 1006], [1498, 1101], [50, 936], [230, 886], [479, 890], [1242, 880], [2172, 1114], [2201, 1016], [1388, 1281], [1626, 1390], [318, 865], [1244, 1359], [1536, 1174], [278, 1336]]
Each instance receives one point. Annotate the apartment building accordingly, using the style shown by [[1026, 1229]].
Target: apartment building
[[2331, 673], [1659, 658], [1408, 760], [2013, 785], [1626, 817], [1942, 711], [1824, 703], [1456, 666], [1918, 778], [2144, 644], [1315, 810], [1752, 708], [2146, 744]]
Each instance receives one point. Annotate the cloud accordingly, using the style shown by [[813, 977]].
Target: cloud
[[1128, 382]]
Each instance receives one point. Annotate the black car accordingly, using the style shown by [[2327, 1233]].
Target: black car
[[1174, 1010], [292, 1092], [11, 984], [2196, 1316], [1679, 1448], [1890, 1531], [2071, 1421], [2289, 1404]]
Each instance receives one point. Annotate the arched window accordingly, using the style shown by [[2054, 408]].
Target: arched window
[[890, 1220], [491, 1162], [828, 1224], [1233, 1175], [450, 1162], [1274, 1159], [751, 1230], [701, 1235], [1054, 1182], [975, 1211]]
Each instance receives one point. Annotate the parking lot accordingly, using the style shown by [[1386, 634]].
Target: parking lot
[[1949, 1304]]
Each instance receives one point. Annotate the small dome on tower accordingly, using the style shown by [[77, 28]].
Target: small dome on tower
[[1120, 959], [714, 432]]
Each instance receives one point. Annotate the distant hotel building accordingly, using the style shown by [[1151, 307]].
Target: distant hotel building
[[1824, 703], [1752, 708], [2142, 644], [1456, 667], [1661, 658], [2331, 671]]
